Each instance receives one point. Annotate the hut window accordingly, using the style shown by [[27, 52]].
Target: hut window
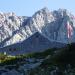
[[14, 49], [10, 49]]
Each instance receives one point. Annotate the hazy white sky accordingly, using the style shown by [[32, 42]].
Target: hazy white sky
[[28, 7]]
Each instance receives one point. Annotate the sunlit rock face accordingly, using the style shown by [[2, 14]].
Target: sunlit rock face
[[54, 24], [51, 24]]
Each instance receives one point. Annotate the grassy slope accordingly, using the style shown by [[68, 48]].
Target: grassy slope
[[60, 58]]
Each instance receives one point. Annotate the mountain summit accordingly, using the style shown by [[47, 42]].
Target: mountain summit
[[56, 25]]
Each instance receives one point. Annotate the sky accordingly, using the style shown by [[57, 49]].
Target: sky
[[29, 7]]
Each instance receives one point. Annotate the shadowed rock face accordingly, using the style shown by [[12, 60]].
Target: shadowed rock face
[[38, 42], [35, 43], [52, 25]]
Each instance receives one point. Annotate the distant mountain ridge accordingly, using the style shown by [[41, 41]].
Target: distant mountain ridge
[[52, 25]]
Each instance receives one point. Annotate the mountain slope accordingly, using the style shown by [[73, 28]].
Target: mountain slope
[[47, 62], [53, 25]]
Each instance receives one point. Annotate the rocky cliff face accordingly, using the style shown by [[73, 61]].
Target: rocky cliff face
[[53, 25]]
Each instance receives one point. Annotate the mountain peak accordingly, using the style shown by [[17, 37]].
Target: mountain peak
[[45, 9]]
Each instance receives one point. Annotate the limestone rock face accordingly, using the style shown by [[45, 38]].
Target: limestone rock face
[[51, 24]]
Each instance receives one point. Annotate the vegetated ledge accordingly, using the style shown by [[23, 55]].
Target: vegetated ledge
[[11, 60], [62, 56]]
